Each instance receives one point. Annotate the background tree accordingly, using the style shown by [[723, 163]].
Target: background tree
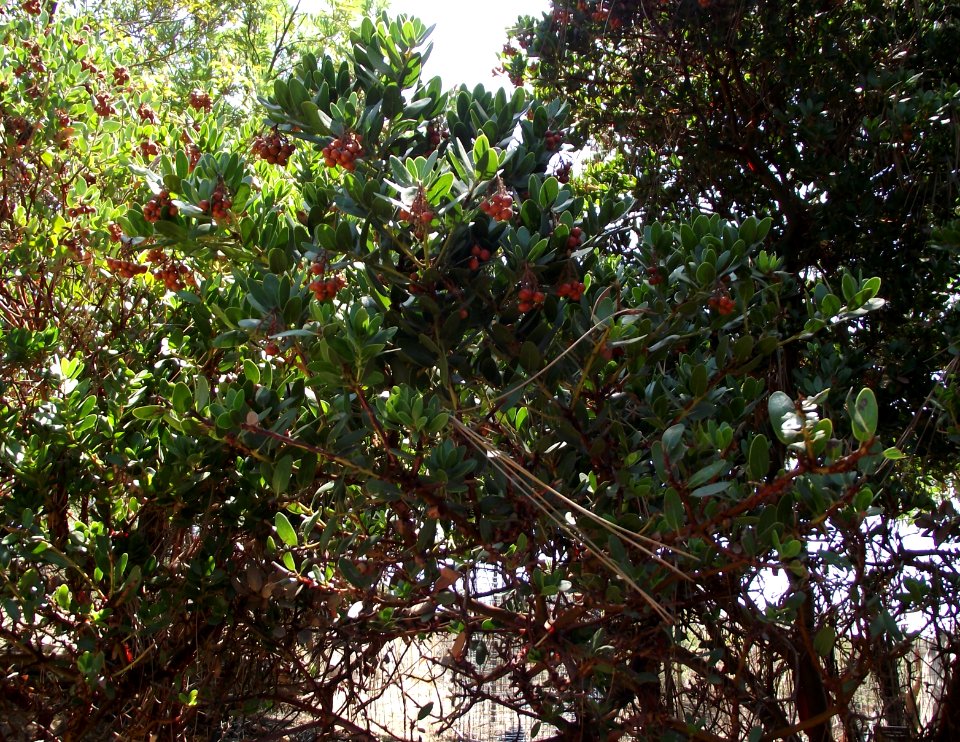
[[838, 120], [232, 50], [375, 377]]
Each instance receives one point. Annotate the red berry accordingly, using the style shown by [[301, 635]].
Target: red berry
[[200, 100]]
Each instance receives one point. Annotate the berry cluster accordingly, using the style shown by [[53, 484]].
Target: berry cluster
[[275, 148], [190, 149], [193, 155], [147, 114], [103, 105], [31, 6], [218, 205], [35, 58], [158, 207], [553, 140], [87, 66], [478, 256], [148, 148], [80, 210], [654, 275], [571, 290], [420, 215], [64, 137], [575, 239], [200, 101], [174, 275], [499, 206], [124, 268], [116, 232], [434, 135], [20, 129], [722, 304], [343, 151], [417, 286], [75, 244], [120, 76], [324, 290], [530, 298], [562, 171]]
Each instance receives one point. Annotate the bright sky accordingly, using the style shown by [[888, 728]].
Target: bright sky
[[468, 36]]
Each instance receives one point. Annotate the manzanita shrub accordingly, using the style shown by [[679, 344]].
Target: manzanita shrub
[[371, 373]]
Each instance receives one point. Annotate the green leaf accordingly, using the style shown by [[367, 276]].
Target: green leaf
[[763, 228], [353, 575], [717, 488], [481, 147], [673, 442], [758, 459], [743, 348], [707, 473], [698, 380], [149, 412], [790, 549], [281, 474], [849, 286], [202, 393], [181, 398], [251, 371], [530, 357], [894, 454], [830, 305], [278, 260], [786, 421], [863, 415], [673, 512], [285, 531], [824, 641]]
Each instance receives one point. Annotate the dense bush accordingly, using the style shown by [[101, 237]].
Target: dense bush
[[275, 397]]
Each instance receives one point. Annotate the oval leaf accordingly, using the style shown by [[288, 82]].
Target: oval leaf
[[285, 531]]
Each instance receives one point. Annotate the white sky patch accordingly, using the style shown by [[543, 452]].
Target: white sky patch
[[468, 37]]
